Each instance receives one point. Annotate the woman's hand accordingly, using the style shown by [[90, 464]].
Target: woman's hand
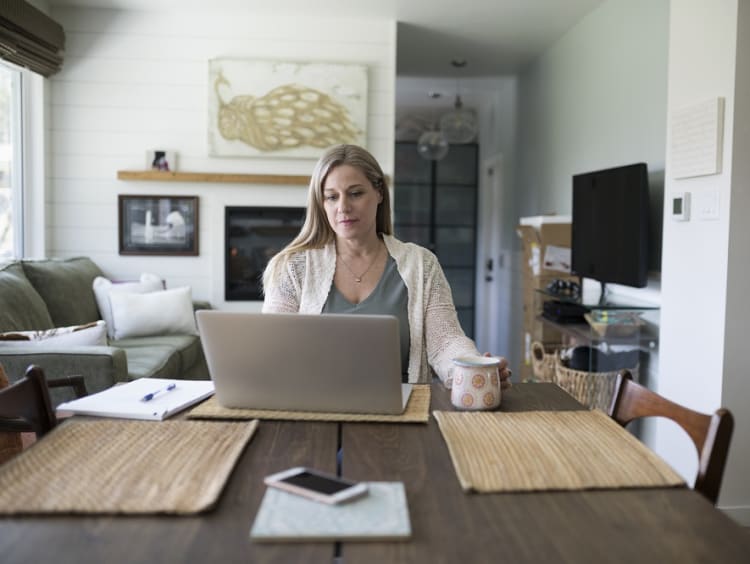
[[505, 372]]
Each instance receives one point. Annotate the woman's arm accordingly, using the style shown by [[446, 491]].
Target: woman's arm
[[444, 337], [282, 292]]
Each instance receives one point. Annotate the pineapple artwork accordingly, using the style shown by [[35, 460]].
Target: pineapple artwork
[[288, 116], [262, 108]]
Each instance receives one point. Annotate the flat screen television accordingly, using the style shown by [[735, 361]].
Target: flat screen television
[[610, 225]]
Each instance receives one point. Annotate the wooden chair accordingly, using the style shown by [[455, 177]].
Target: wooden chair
[[26, 406], [711, 434]]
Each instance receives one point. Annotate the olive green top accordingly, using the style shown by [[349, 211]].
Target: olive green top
[[389, 297]]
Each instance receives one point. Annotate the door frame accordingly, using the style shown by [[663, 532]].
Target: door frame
[[492, 320]]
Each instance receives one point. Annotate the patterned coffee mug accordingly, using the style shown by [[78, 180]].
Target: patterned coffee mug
[[476, 382]]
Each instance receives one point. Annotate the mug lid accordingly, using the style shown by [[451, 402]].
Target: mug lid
[[475, 360]]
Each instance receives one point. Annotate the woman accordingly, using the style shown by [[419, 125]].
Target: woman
[[346, 260]]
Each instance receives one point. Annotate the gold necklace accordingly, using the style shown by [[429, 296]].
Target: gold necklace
[[358, 279]]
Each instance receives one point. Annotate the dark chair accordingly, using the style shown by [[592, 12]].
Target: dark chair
[[76, 382], [711, 434], [25, 406]]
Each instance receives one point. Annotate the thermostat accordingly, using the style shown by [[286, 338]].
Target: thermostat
[[681, 206]]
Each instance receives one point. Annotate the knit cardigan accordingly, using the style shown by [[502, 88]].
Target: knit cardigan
[[303, 283]]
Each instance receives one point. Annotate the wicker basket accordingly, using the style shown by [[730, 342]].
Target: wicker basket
[[592, 389], [544, 358]]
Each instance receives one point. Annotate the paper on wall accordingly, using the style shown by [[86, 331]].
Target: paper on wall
[[557, 258], [534, 259]]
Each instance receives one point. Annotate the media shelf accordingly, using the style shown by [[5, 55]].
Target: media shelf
[[644, 337]]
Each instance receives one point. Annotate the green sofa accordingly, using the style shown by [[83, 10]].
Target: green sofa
[[44, 294]]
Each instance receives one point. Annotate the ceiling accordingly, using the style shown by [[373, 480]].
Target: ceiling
[[495, 37]]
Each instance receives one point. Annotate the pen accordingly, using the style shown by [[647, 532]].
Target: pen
[[152, 395]]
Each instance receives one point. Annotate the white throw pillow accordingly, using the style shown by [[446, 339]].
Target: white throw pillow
[[91, 334], [103, 288], [168, 312]]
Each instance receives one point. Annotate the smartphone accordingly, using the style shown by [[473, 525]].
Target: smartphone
[[316, 485]]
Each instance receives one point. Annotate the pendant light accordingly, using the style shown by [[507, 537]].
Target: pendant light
[[459, 125], [432, 144]]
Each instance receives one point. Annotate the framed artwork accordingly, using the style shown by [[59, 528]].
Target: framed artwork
[[158, 225], [278, 109], [161, 159]]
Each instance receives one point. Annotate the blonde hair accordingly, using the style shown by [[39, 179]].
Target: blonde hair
[[316, 232]]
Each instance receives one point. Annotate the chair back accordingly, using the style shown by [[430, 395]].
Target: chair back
[[26, 405], [711, 434]]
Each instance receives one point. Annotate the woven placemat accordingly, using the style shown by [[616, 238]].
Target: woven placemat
[[548, 450], [417, 411], [121, 466]]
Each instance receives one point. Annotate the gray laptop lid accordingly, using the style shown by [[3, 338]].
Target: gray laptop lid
[[328, 362]]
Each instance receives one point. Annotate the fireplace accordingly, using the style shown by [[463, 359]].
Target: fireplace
[[252, 236]]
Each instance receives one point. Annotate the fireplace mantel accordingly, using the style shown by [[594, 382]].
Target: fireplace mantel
[[234, 178]]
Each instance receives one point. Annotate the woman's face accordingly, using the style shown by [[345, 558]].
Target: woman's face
[[351, 202]]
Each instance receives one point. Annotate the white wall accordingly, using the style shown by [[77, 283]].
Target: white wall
[[137, 80], [595, 99], [705, 268]]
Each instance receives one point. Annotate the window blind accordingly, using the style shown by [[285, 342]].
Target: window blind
[[29, 38]]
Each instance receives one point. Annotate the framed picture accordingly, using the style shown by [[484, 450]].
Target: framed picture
[[284, 109], [158, 225], [161, 159]]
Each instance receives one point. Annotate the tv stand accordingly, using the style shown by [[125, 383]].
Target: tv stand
[[607, 306], [613, 335]]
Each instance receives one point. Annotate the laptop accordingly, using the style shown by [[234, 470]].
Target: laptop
[[291, 361]]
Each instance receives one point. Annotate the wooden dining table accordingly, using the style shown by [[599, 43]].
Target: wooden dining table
[[648, 525]]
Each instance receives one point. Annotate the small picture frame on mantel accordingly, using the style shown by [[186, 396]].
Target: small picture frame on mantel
[[161, 160], [158, 225]]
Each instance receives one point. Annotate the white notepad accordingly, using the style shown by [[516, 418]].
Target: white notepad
[[126, 400], [382, 514]]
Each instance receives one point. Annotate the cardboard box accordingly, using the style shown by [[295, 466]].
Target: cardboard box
[[546, 246], [546, 257]]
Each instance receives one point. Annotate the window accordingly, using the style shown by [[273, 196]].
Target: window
[[11, 197]]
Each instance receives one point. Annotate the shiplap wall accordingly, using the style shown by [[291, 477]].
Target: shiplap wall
[[138, 80]]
